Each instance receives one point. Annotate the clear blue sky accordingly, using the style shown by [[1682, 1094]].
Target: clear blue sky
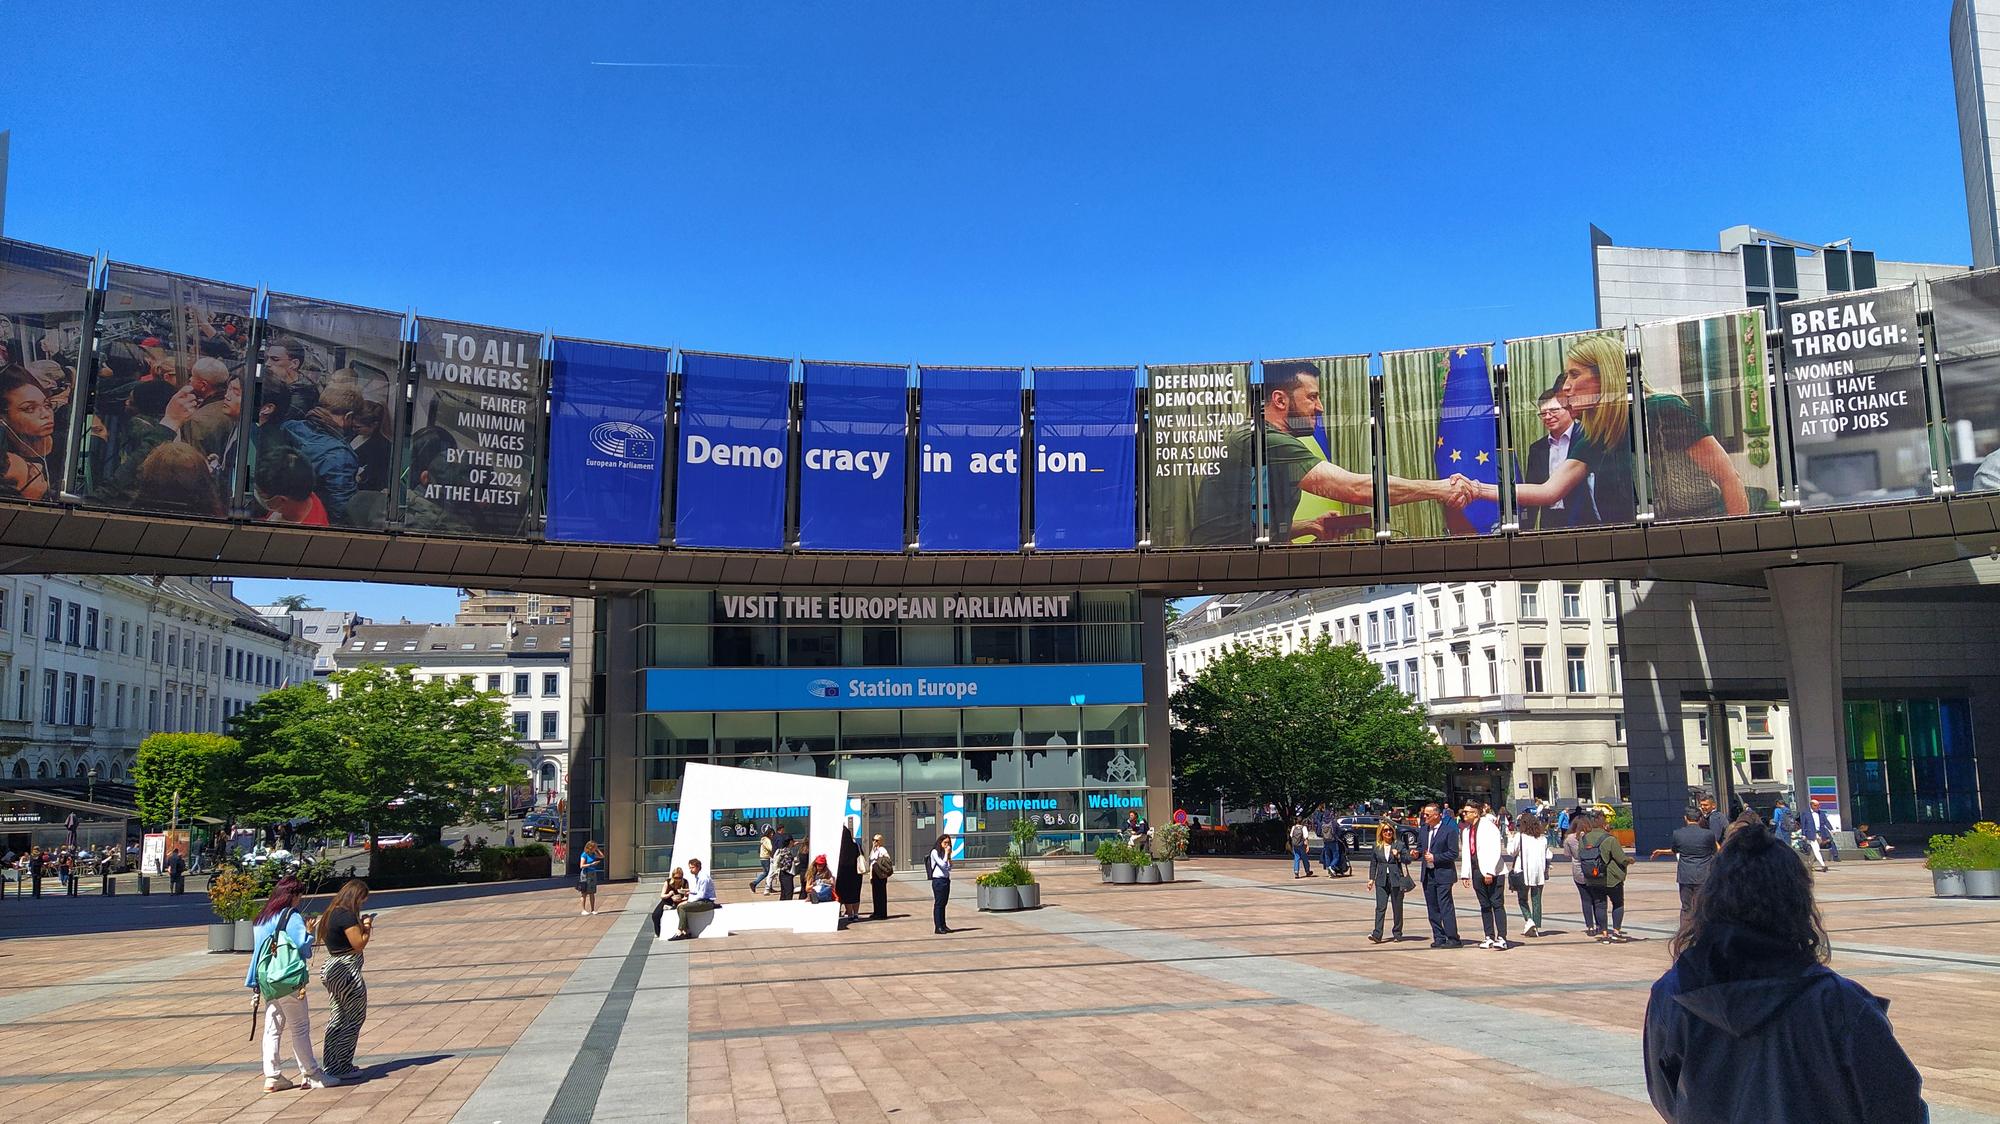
[[977, 182]]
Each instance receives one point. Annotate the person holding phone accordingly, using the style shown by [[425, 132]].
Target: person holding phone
[[344, 931]]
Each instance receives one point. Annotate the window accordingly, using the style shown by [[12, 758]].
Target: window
[[1760, 765], [493, 682], [187, 651], [520, 684], [521, 724], [54, 634], [1389, 627], [1531, 602], [124, 638], [1624, 786], [1541, 786], [551, 684], [1610, 601], [118, 708], [1617, 673], [201, 656], [1492, 671], [3, 608], [1531, 670], [69, 698], [173, 650], [90, 629], [22, 699], [1415, 685], [1437, 615], [156, 645], [1458, 608], [1585, 782], [1374, 631], [549, 726], [1486, 603], [49, 697], [1464, 655], [72, 623], [152, 709], [1618, 731], [187, 706], [1757, 719], [1437, 675], [89, 707], [1409, 620], [1574, 669], [1572, 604]]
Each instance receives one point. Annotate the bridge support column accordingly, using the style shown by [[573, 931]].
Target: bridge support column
[[1806, 602]]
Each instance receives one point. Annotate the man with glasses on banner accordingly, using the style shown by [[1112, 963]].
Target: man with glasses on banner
[[1577, 508], [1226, 505]]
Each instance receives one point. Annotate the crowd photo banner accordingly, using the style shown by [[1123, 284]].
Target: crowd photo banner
[[729, 488], [852, 457], [1203, 485], [477, 423], [172, 360], [1854, 385], [1706, 400], [1571, 462], [607, 442], [1442, 431], [43, 294], [1965, 317], [331, 378], [969, 454], [1318, 465], [1086, 458]]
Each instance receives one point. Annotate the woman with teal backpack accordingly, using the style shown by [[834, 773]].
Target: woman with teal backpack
[[285, 1017]]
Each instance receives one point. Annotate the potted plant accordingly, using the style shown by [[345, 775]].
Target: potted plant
[[1119, 862], [999, 889], [1149, 870], [1621, 829], [1946, 865], [1170, 843], [1024, 832], [1979, 850], [233, 895]]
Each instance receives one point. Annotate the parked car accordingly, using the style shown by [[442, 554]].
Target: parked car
[[542, 826], [387, 841]]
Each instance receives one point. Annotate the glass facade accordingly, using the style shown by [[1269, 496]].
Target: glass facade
[[1911, 761], [1072, 764]]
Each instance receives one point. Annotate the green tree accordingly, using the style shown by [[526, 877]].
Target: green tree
[[1298, 729], [382, 752], [297, 603], [206, 770]]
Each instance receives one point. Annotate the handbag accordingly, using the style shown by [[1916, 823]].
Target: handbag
[[1400, 880], [1516, 882]]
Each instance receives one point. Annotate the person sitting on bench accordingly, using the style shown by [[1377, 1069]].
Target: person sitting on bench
[[701, 898], [672, 896], [1867, 840]]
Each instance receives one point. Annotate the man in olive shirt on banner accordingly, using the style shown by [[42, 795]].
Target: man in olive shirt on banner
[[1225, 509]]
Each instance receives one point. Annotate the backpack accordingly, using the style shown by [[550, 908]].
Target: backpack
[[1590, 860], [281, 969]]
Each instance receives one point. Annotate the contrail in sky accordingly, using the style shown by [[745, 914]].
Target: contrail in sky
[[672, 65]]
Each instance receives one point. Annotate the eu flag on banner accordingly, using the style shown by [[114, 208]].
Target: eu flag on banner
[[1468, 437]]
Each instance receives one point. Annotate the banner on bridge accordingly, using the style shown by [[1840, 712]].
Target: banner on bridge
[[1086, 458], [42, 298], [969, 459], [1707, 404], [734, 433], [607, 442], [331, 379], [1316, 412], [1965, 313], [475, 444], [852, 462], [1203, 438]]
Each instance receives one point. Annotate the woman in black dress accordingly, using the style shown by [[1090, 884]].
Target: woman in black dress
[[847, 875]]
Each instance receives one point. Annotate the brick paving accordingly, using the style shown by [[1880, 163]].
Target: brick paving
[[1237, 994]]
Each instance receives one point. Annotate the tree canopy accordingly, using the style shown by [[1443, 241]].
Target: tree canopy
[[1298, 729], [206, 770], [297, 603], [381, 752]]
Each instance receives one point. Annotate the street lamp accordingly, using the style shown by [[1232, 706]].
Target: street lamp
[[90, 793]]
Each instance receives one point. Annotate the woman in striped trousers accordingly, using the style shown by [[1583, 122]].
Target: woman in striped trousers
[[343, 932]]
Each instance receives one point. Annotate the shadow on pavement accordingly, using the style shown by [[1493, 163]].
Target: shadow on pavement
[[53, 915]]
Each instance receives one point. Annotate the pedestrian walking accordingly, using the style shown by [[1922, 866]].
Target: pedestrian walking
[[1750, 1023], [847, 876], [286, 1019], [1818, 831], [881, 867], [591, 865], [781, 847], [1528, 860], [700, 899], [176, 873], [766, 856], [937, 864], [1485, 853], [1694, 851], [1604, 862], [1439, 847], [345, 930], [37, 863], [1389, 879], [1301, 866]]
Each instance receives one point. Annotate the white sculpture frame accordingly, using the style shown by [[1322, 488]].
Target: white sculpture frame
[[706, 789]]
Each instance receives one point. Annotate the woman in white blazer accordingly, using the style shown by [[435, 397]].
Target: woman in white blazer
[[1528, 852]]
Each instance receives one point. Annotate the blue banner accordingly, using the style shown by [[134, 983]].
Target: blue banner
[[969, 454], [1468, 437], [891, 688], [731, 486], [851, 457], [607, 443], [1086, 459]]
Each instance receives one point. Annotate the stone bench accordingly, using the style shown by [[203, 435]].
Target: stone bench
[[745, 917]]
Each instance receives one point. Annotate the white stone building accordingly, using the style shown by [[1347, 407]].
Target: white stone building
[[89, 666], [326, 628]]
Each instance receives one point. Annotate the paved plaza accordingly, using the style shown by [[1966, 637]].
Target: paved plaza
[[1235, 994]]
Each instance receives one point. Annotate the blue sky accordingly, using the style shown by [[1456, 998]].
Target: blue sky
[[978, 182]]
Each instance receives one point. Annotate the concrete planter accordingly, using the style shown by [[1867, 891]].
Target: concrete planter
[[246, 936], [1166, 869], [1149, 875], [1104, 869], [1031, 896], [1002, 899], [1124, 874], [1982, 883], [222, 936], [1948, 883], [980, 896]]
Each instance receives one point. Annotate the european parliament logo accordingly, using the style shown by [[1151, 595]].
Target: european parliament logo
[[823, 689], [625, 441]]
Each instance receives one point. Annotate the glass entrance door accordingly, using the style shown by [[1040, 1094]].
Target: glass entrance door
[[921, 814], [881, 816]]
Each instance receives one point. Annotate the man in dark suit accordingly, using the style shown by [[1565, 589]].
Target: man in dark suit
[[1577, 508], [1438, 841]]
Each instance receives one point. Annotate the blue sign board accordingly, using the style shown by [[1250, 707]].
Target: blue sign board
[[891, 688], [733, 436], [607, 443], [969, 460], [851, 457], [1086, 459]]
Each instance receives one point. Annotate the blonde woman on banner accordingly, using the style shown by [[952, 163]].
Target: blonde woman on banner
[[1691, 473]]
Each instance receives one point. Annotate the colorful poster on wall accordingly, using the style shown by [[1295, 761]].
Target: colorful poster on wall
[[969, 459], [1318, 467], [478, 415], [852, 464], [330, 378], [1965, 317], [172, 360], [734, 429], [607, 442], [1203, 437], [1706, 398], [42, 298], [1563, 478], [1441, 430], [1854, 385], [1086, 458]]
